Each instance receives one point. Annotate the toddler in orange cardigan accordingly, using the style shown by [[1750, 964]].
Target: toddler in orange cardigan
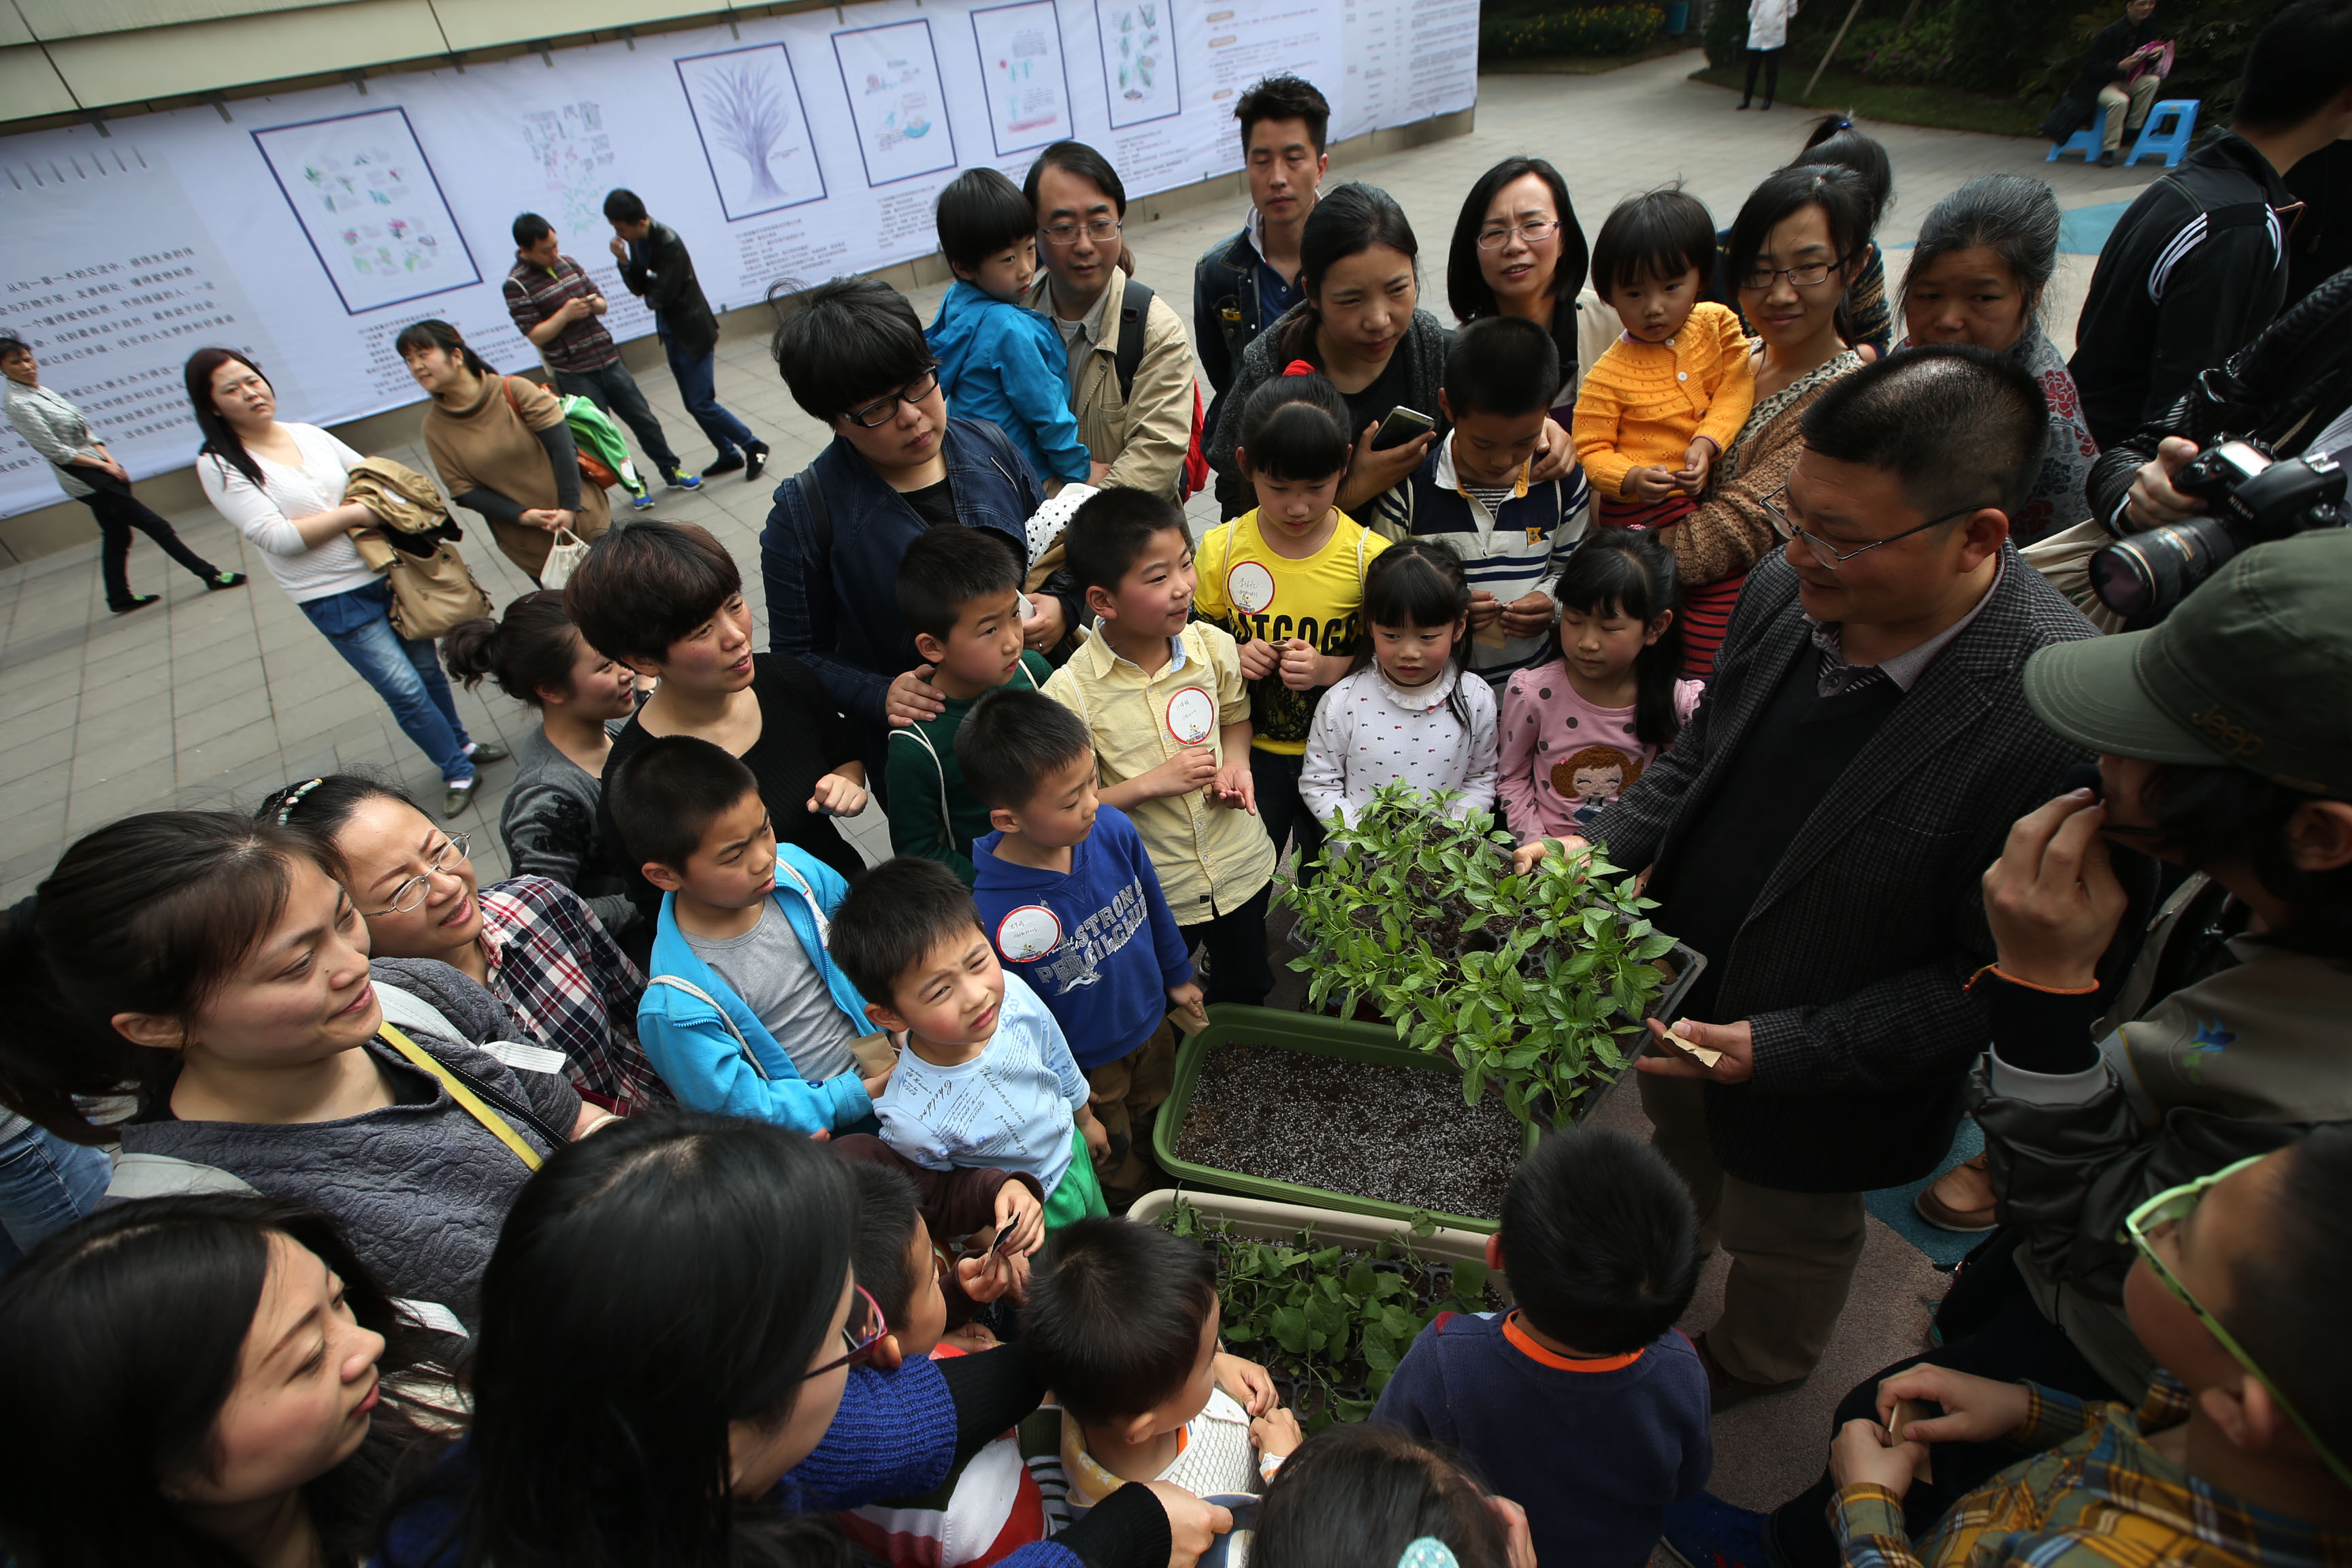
[[1659, 405]]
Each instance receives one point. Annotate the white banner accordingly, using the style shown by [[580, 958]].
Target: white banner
[[314, 227]]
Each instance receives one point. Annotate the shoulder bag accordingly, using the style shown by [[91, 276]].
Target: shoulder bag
[[431, 594]]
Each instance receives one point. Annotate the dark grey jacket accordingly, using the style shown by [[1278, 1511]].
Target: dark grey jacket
[[1849, 968]]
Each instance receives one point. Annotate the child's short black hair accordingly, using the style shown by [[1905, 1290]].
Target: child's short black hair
[[1601, 1241], [980, 214], [2286, 1293], [1110, 528], [946, 569], [848, 341], [1010, 740], [644, 586], [623, 205], [1659, 234], [666, 795], [895, 914], [1297, 428], [1113, 1320], [1502, 365], [889, 1213], [1361, 1492]]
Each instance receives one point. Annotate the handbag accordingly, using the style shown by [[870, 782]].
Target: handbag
[[431, 594], [564, 558]]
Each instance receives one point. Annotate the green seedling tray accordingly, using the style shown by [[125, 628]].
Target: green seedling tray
[[1374, 1045]]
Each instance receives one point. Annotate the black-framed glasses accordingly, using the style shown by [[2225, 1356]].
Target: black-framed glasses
[[882, 410], [1812, 275], [411, 894], [1100, 230], [1829, 555], [1535, 231], [858, 1341]]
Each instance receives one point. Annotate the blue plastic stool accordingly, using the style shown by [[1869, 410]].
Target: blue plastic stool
[[2172, 142], [2086, 142]]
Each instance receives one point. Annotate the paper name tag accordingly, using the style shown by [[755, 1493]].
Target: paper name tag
[[525, 1058], [1907, 1411], [1707, 1055]]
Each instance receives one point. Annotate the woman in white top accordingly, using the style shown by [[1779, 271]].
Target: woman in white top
[[282, 486], [1767, 32]]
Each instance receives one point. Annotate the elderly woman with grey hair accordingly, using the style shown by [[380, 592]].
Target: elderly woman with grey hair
[[1979, 275]]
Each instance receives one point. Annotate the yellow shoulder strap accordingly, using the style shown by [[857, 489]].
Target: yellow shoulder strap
[[497, 1125]]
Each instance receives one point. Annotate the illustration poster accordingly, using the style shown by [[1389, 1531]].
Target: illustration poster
[[359, 186], [1138, 57], [574, 153], [746, 110], [1020, 48], [891, 74]]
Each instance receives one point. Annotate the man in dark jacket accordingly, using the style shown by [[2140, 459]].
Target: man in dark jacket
[[1242, 285], [1819, 829], [656, 267], [2199, 264], [2119, 98]]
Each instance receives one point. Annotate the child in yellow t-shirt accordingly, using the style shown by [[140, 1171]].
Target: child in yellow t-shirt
[[1287, 579], [1663, 400]]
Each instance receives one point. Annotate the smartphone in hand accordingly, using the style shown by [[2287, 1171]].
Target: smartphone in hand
[[1402, 426]]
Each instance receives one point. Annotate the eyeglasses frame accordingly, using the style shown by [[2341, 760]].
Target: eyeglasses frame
[[463, 843], [1496, 238], [1836, 557], [1090, 225], [889, 404], [858, 1348]]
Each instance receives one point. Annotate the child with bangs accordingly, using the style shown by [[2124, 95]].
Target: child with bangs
[[1287, 579], [1662, 402], [1412, 712]]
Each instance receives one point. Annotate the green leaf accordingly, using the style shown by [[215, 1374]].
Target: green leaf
[[1290, 1330], [1469, 1279]]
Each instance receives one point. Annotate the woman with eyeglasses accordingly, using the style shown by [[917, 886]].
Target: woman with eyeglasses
[[1790, 255], [1140, 423], [673, 1367], [213, 970], [2105, 1086], [532, 942], [1517, 250]]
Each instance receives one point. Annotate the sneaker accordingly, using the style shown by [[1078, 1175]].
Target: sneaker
[[1960, 1199], [680, 481], [486, 752], [1706, 1532], [726, 465], [643, 500], [136, 602], [755, 457], [459, 796], [219, 580]]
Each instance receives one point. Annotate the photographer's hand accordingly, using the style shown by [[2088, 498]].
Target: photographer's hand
[[2153, 502]]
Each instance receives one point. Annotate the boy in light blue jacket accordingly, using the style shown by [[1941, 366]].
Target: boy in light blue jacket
[[745, 1013], [999, 361]]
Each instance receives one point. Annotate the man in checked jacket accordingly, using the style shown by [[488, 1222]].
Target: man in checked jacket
[[1819, 830]]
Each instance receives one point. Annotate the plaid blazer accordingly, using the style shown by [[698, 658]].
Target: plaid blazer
[[1849, 967]]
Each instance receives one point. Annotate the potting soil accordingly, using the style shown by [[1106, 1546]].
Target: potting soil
[[1399, 1134]]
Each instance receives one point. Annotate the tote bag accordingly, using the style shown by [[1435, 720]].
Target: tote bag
[[430, 593], [564, 558]]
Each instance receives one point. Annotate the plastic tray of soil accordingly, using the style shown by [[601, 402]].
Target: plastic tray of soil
[[1345, 1145], [1320, 1387]]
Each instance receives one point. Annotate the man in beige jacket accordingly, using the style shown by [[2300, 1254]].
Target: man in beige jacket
[[1143, 430]]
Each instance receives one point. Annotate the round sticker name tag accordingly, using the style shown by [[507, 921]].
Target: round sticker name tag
[[1191, 714], [1027, 933], [1250, 587]]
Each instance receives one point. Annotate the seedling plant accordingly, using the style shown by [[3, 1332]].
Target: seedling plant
[[1329, 1322], [1534, 985]]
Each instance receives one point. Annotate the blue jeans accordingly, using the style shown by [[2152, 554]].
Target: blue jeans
[[611, 388], [698, 389], [404, 673], [46, 1184]]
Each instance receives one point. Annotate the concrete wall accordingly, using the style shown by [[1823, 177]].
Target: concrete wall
[[32, 534]]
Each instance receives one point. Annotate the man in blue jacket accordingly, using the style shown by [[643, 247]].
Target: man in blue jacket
[[854, 358], [746, 1013], [1242, 285]]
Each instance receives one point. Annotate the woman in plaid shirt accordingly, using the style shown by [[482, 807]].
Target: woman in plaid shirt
[[535, 943]]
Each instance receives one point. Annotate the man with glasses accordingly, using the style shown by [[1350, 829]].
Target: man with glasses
[[853, 355], [1819, 829], [1245, 283], [1132, 386]]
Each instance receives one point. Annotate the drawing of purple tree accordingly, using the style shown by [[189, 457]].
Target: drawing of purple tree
[[748, 118]]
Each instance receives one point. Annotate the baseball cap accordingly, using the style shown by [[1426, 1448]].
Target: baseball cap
[[2253, 670]]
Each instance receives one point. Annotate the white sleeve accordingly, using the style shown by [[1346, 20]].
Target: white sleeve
[[1323, 775], [1486, 745], [248, 507], [343, 454]]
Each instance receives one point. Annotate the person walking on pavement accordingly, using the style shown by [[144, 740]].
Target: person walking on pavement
[[87, 471], [555, 305], [656, 267]]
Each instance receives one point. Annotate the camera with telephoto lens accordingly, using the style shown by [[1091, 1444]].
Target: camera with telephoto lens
[[2251, 497]]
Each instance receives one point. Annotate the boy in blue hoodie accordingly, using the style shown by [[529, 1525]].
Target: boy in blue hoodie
[[1069, 899], [746, 1013], [999, 361]]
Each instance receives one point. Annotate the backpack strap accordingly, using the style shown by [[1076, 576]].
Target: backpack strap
[[697, 992], [947, 823], [470, 1095], [1134, 309], [165, 1176], [820, 515]]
